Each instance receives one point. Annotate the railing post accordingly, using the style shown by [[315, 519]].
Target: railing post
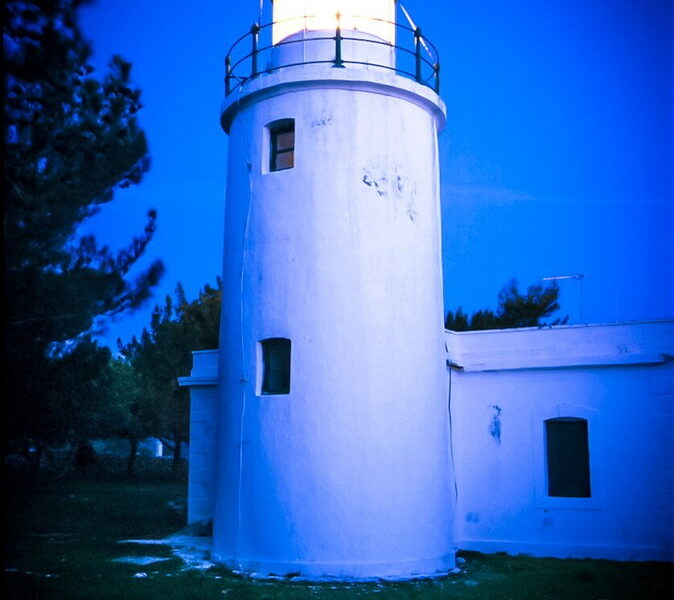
[[338, 44], [254, 30], [417, 56], [228, 75], [436, 69]]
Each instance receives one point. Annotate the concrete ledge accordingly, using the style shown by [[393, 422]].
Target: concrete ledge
[[482, 363], [639, 343], [204, 369], [373, 79], [211, 379]]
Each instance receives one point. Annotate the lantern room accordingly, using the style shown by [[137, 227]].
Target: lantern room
[[374, 17], [350, 34]]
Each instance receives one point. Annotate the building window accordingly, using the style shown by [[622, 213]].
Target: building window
[[568, 457], [282, 145], [275, 366]]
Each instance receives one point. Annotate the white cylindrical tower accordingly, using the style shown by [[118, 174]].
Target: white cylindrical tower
[[333, 457]]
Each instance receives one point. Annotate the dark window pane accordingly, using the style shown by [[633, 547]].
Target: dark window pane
[[568, 457], [284, 160], [285, 140], [282, 145], [276, 366]]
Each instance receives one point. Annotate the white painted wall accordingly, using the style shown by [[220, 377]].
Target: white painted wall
[[349, 474], [618, 377], [204, 399]]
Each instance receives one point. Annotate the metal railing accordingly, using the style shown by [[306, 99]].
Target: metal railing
[[418, 61]]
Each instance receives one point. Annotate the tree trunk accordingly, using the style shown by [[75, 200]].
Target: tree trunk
[[85, 455], [133, 453]]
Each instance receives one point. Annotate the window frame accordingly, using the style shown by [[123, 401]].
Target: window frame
[[594, 440], [274, 130], [264, 372], [559, 458]]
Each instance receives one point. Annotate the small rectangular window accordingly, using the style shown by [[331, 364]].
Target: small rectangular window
[[282, 145], [275, 366], [568, 457]]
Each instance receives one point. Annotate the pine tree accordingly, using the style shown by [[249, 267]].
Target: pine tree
[[70, 141], [125, 413], [514, 310], [164, 352]]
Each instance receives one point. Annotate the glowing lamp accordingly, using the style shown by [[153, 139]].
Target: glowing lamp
[[374, 17]]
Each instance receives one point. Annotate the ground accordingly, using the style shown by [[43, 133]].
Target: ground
[[77, 537]]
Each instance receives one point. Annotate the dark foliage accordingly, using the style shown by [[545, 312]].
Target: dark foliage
[[70, 141], [164, 352], [126, 415], [514, 310]]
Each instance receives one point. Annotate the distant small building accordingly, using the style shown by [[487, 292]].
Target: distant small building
[[113, 446]]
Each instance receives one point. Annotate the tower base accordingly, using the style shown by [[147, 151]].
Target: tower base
[[343, 571]]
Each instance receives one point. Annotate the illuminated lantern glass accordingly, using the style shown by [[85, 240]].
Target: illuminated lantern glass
[[374, 17]]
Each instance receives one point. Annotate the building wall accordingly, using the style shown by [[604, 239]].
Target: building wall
[[203, 429], [618, 377], [347, 474], [498, 414]]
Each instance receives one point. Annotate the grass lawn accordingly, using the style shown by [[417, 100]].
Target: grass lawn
[[62, 538]]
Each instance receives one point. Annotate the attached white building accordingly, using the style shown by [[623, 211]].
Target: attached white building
[[563, 440], [515, 397]]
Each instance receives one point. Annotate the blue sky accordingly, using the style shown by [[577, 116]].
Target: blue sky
[[557, 157]]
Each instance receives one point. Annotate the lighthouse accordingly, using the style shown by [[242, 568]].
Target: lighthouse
[[331, 433]]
